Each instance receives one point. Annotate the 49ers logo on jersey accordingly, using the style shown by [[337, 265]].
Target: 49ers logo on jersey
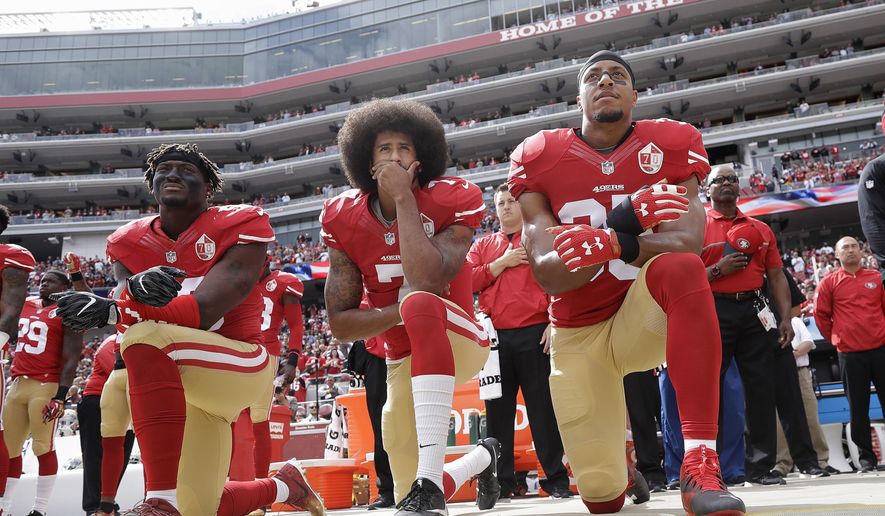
[[271, 285], [429, 226], [651, 158], [205, 248]]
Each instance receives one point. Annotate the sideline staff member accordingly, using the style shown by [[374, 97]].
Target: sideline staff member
[[739, 251], [517, 306], [848, 309]]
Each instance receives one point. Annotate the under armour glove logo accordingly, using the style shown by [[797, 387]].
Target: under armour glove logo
[[597, 245], [580, 245]]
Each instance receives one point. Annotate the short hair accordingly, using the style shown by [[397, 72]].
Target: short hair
[[356, 139], [5, 217], [502, 188], [189, 150], [61, 275]]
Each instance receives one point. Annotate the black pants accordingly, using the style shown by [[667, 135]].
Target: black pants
[[744, 338], [89, 421], [376, 395], [859, 368], [791, 409], [525, 365], [644, 407]]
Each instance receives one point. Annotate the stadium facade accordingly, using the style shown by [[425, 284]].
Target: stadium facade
[[266, 98]]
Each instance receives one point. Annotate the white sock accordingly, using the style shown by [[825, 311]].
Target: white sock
[[691, 444], [7, 498], [470, 465], [433, 395], [45, 483], [167, 494], [282, 491]]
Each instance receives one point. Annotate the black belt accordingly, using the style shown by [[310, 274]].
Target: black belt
[[739, 296]]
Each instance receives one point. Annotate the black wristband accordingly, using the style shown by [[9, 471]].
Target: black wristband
[[629, 247], [77, 276], [62, 393], [623, 219]]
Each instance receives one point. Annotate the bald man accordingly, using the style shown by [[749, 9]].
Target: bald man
[[740, 252], [849, 309]]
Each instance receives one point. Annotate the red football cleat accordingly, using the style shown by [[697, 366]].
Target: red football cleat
[[703, 490], [301, 495], [152, 507], [637, 487]]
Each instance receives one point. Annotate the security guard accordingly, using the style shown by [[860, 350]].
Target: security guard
[[740, 252]]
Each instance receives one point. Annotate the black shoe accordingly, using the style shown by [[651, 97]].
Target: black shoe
[[637, 487], [425, 499], [831, 470], [561, 492], [813, 472], [35, 513], [657, 486], [777, 473], [487, 487], [769, 479], [866, 467], [673, 485], [382, 502], [736, 481]]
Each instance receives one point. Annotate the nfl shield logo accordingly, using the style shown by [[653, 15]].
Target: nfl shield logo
[[651, 158], [271, 285], [205, 248], [389, 238], [429, 227], [171, 257], [608, 167], [870, 184]]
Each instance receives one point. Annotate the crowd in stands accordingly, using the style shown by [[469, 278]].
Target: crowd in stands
[[809, 168]]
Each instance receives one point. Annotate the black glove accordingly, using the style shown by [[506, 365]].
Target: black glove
[[156, 286], [83, 311]]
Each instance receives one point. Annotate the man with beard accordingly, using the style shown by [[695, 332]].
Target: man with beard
[[624, 298], [43, 367]]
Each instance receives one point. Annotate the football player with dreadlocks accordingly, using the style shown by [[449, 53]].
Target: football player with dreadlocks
[[192, 339]]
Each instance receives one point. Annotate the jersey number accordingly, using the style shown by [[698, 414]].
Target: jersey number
[[388, 271], [571, 211], [265, 315], [35, 331]]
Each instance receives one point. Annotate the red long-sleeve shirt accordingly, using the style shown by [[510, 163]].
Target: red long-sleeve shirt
[[850, 310], [513, 299]]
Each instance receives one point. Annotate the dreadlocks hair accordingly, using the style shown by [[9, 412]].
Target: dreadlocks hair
[[4, 218], [356, 139], [61, 275], [210, 169]]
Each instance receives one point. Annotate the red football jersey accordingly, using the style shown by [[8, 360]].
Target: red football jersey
[[102, 365], [583, 185], [12, 255], [141, 244], [271, 290], [39, 345], [349, 225]]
